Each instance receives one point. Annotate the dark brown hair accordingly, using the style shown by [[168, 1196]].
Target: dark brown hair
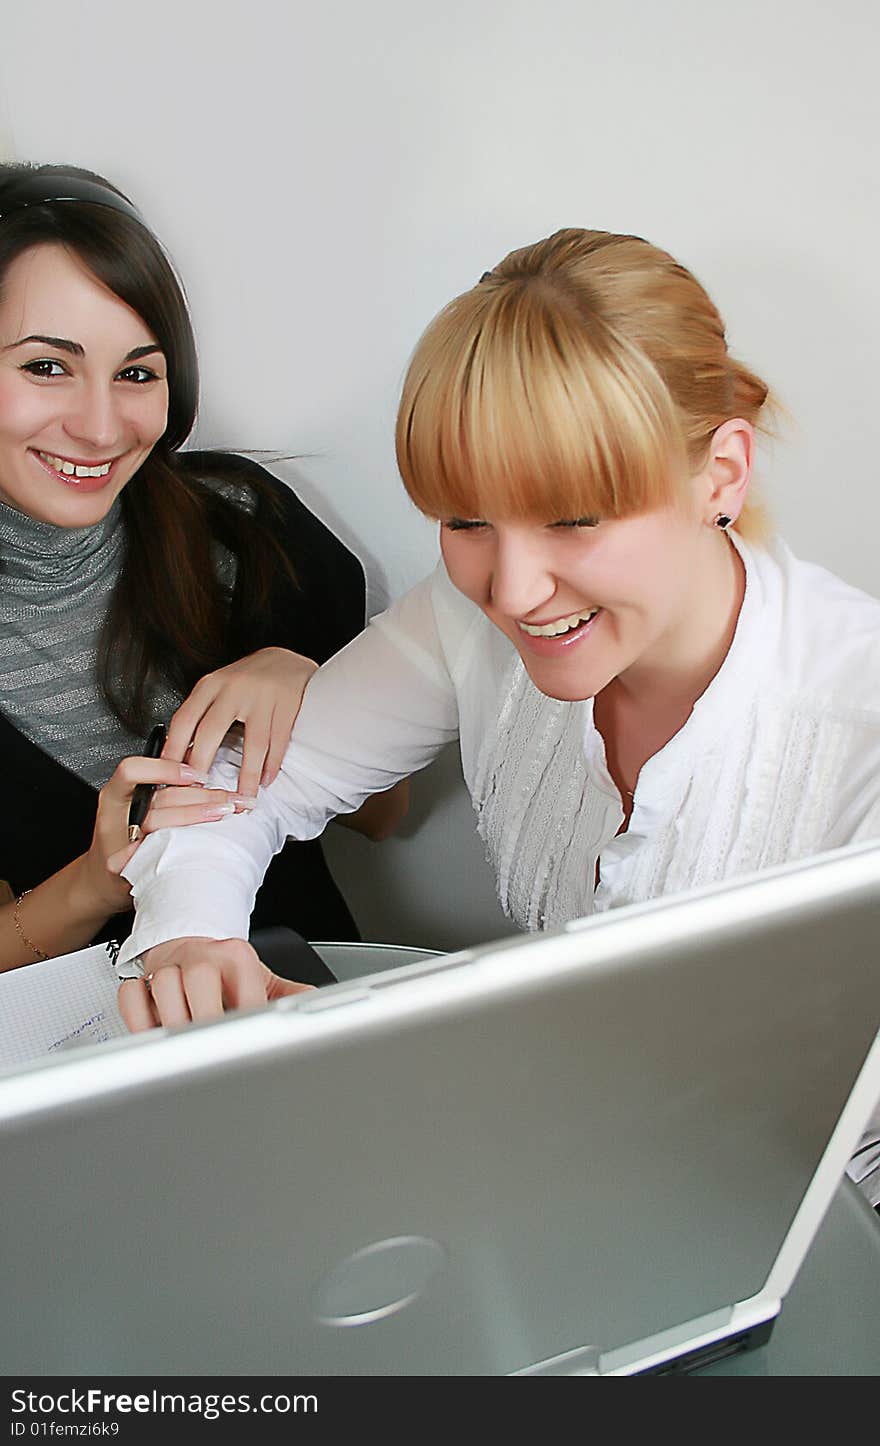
[[167, 618]]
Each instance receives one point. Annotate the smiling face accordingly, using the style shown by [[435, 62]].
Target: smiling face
[[585, 602], [577, 424], [83, 390]]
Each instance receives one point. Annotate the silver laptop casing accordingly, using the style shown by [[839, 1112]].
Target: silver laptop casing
[[591, 1152]]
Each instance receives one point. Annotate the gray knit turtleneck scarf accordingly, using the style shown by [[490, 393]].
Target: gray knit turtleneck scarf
[[55, 585]]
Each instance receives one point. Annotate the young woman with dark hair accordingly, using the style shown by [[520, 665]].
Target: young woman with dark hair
[[137, 581]]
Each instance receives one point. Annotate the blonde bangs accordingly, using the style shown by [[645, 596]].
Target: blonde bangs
[[517, 404]]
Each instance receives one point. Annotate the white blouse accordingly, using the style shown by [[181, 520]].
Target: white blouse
[[779, 760]]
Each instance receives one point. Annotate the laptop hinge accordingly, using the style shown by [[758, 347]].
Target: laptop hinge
[[724, 1332], [707, 1355], [684, 1348]]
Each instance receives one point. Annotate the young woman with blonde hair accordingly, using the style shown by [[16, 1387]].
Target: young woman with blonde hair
[[650, 693]]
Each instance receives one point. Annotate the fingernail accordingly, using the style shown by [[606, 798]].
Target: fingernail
[[211, 815], [244, 800], [192, 775]]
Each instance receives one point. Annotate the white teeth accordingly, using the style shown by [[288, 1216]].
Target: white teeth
[[70, 469], [562, 625]]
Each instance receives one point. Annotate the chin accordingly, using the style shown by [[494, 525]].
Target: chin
[[79, 516], [554, 684]]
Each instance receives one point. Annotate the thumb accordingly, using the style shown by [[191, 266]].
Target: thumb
[[277, 988]]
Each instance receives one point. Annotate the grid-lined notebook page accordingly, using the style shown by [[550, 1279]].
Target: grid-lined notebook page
[[58, 1004]]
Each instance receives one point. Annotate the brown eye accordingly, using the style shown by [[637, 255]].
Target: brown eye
[[138, 375], [44, 367]]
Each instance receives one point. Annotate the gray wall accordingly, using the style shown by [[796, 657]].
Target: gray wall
[[327, 177]]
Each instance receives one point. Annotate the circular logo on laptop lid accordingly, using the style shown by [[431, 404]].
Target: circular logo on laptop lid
[[377, 1281]]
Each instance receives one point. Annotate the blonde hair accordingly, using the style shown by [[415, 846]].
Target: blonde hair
[[584, 376]]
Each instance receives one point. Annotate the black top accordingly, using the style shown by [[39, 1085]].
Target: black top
[[49, 812]]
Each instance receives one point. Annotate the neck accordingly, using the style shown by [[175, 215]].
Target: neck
[[33, 548]]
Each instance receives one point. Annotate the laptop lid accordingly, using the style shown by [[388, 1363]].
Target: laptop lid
[[591, 1151]]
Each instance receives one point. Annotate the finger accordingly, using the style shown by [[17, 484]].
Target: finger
[[245, 978], [135, 1006], [161, 772], [177, 806], [189, 798], [184, 817], [257, 734], [278, 988], [282, 727], [169, 999], [204, 991], [210, 733], [185, 720]]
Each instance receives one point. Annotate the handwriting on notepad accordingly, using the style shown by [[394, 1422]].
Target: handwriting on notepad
[[60, 1004], [94, 1030]]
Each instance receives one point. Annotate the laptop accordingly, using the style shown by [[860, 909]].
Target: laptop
[[604, 1150]]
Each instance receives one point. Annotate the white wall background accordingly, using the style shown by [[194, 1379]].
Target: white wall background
[[326, 177]]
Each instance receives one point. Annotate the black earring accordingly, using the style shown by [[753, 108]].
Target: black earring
[[723, 521]]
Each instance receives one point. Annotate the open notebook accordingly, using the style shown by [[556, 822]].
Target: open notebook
[[600, 1151], [58, 1005]]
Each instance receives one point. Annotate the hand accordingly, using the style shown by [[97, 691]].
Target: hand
[[264, 692], [171, 807], [197, 979]]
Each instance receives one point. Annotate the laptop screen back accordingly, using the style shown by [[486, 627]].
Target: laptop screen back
[[554, 1144]]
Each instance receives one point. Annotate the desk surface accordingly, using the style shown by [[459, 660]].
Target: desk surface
[[830, 1323]]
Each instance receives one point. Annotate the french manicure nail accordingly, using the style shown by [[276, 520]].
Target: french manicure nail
[[244, 800], [221, 810], [192, 775]]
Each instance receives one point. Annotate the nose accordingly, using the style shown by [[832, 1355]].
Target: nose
[[522, 579], [95, 420]]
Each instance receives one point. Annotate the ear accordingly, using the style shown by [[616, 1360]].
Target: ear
[[728, 470]]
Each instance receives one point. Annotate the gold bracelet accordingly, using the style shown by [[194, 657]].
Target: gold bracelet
[[24, 938]]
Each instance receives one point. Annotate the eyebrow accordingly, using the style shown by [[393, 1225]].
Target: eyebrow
[[74, 348]]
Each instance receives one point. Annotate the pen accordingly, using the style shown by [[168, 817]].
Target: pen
[[140, 799]]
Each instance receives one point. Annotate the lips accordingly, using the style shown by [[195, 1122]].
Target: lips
[[558, 626], [80, 475], [545, 639]]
